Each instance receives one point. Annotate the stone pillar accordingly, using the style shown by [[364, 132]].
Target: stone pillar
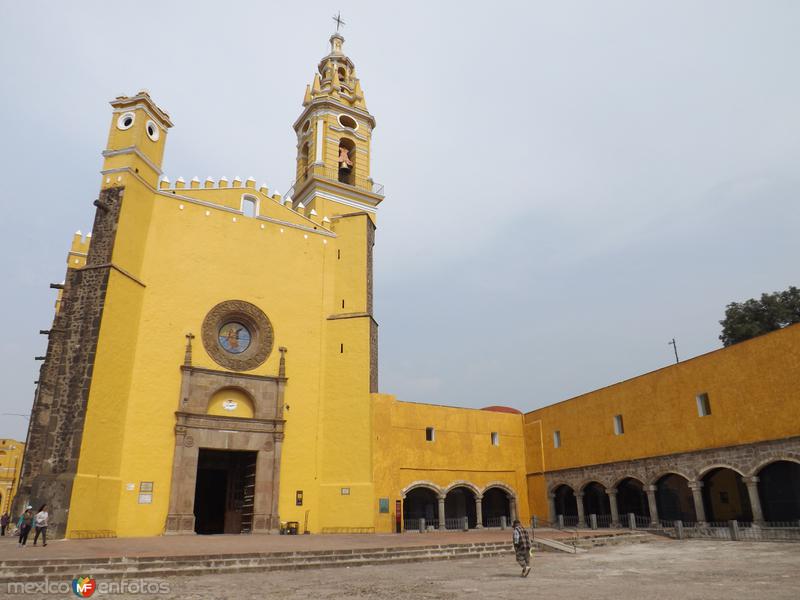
[[755, 500], [442, 523], [631, 521], [612, 500], [651, 502], [422, 526], [697, 496], [551, 500], [560, 522], [579, 502], [479, 512], [503, 522], [593, 521]]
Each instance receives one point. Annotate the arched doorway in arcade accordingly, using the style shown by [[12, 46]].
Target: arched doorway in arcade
[[674, 499], [725, 496], [420, 503], [566, 505], [779, 491], [495, 505], [631, 498], [596, 502], [460, 503]]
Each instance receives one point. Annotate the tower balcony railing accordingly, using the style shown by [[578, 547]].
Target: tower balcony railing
[[349, 179]]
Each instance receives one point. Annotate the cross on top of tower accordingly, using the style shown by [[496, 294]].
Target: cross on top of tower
[[338, 19]]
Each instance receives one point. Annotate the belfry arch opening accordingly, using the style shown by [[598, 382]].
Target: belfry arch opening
[[460, 503], [420, 503], [495, 505], [303, 161], [725, 496], [779, 491], [674, 499], [347, 161]]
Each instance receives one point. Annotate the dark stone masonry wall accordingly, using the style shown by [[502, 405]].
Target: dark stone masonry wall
[[59, 408]]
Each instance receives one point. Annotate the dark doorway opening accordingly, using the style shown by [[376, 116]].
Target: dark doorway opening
[[224, 493], [460, 503], [779, 490], [421, 503], [596, 502], [566, 505], [674, 499], [725, 497], [631, 498], [495, 505]]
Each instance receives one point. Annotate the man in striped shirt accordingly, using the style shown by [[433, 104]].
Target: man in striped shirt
[[522, 547]]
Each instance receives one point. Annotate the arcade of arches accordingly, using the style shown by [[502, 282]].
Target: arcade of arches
[[770, 494], [446, 508]]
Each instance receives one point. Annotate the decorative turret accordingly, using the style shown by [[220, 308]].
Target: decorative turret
[[136, 139]]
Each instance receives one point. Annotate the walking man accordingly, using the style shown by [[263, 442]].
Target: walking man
[[4, 520], [40, 521], [522, 547]]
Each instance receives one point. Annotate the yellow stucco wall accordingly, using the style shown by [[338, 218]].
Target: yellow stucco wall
[[462, 450], [11, 452], [752, 387]]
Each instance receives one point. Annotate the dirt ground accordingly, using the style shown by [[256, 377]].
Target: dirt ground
[[670, 570]]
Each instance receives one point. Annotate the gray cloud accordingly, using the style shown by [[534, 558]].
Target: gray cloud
[[570, 184]]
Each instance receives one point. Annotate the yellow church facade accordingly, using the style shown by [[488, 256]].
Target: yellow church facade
[[212, 366]]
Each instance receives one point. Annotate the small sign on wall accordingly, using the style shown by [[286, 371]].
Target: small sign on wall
[[383, 505], [145, 492], [345, 491], [298, 498]]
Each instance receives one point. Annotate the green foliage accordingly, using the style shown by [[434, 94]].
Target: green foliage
[[745, 320]]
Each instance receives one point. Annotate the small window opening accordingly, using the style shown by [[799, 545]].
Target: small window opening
[[249, 207], [619, 428], [338, 255], [343, 303], [495, 438], [347, 161], [127, 121], [342, 73], [556, 439], [703, 405], [430, 434], [341, 348]]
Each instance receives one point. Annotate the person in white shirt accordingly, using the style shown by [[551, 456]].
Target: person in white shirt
[[40, 521]]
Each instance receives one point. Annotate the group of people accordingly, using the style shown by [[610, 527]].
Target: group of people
[[27, 521]]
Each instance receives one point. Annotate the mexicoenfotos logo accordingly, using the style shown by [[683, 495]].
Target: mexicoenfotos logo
[[84, 586]]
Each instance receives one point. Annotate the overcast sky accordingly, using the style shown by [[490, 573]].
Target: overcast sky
[[568, 184]]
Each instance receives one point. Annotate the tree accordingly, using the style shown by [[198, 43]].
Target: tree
[[745, 320]]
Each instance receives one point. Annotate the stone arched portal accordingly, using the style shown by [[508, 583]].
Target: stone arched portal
[[239, 455]]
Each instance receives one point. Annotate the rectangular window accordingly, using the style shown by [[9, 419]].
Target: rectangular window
[[703, 405], [429, 434], [556, 439], [495, 438], [619, 428]]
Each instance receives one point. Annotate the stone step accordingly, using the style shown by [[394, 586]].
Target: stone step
[[28, 562], [224, 564]]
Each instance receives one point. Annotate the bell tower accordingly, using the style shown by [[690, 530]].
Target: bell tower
[[334, 136]]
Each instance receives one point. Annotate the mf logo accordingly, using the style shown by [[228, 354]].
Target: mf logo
[[84, 586]]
